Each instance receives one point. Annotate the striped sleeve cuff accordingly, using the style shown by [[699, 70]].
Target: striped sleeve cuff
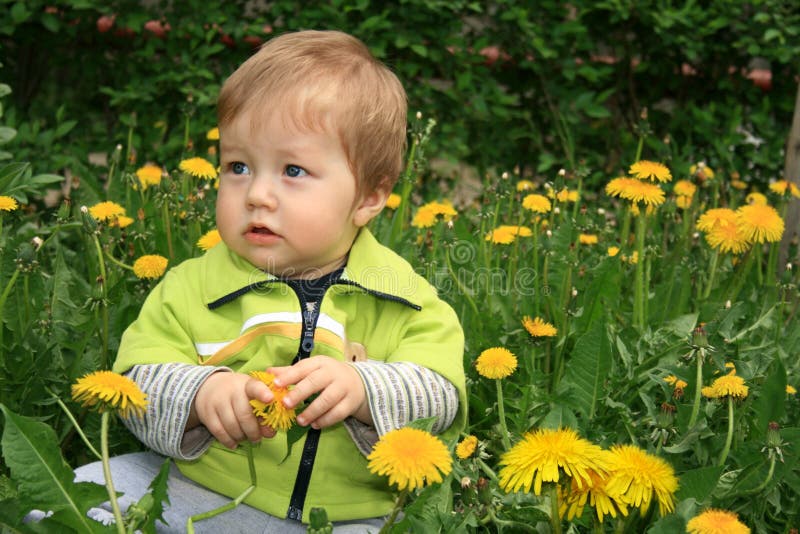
[[400, 392], [170, 390]]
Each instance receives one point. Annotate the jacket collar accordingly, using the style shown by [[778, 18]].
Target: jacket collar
[[370, 267]]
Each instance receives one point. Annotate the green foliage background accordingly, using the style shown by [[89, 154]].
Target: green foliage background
[[524, 87]]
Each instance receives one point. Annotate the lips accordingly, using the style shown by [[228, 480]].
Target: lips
[[260, 234]]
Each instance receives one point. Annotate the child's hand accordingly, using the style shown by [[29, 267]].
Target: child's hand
[[341, 391], [222, 404]]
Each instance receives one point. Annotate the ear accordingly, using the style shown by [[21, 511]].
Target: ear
[[370, 204]]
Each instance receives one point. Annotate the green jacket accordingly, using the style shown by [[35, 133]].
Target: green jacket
[[197, 314]]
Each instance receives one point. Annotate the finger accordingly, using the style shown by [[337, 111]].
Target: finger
[[268, 432], [248, 423], [313, 383], [286, 376], [337, 414], [326, 401], [217, 429], [256, 389], [231, 425]]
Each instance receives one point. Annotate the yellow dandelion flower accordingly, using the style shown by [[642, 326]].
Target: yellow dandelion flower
[[708, 392], [714, 521], [107, 390], [425, 217], [613, 251], [537, 203], [739, 184], [199, 168], [209, 240], [729, 385], [8, 203], [639, 477], [759, 223], [587, 239], [636, 191], [538, 327], [107, 210], [506, 234], [716, 217], [466, 447], [525, 185], [213, 134], [600, 498], [650, 170], [676, 382], [273, 414], [542, 456], [785, 187], [123, 221], [702, 171], [393, 201], [684, 188], [756, 198], [728, 238], [412, 458], [565, 195], [150, 266], [790, 390], [496, 363], [731, 366], [683, 202], [149, 175]]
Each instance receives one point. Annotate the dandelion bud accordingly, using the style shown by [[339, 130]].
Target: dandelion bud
[[118, 148], [574, 292], [601, 211], [556, 210], [84, 210], [504, 176], [699, 338], [789, 266], [695, 235], [728, 304], [549, 233], [562, 172], [465, 482], [449, 225], [419, 115], [89, 222], [666, 416], [37, 242]]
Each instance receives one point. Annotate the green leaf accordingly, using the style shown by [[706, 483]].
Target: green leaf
[[682, 326], [64, 128], [9, 174], [19, 14], [668, 525], [425, 423], [5, 89], [31, 452], [420, 50], [158, 488], [6, 134], [698, 483], [770, 405], [292, 436], [588, 366], [44, 179], [560, 417]]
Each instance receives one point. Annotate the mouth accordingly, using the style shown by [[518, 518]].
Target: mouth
[[260, 233]]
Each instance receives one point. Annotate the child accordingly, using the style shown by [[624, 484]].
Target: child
[[312, 136]]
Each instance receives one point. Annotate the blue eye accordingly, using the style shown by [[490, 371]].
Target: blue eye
[[293, 171], [237, 167]]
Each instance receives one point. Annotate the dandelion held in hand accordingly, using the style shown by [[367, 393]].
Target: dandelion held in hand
[[274, 414], [716, 522], [544, 454], [639, 477], [150, 266], [538, 327], [411, 458], [8, 203], [495, 363], [199, 168], [107, 390]]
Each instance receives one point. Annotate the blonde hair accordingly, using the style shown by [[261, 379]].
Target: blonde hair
[[323, 79]]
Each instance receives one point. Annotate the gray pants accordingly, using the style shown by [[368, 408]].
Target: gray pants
[[132, 474]]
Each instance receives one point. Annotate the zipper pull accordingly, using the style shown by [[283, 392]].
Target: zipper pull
[[307, 344]]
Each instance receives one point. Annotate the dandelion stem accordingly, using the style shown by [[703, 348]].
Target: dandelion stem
[[75, 424], [216, 511], [399, 221], [104, 304], [711, 272], [626, 228], [741, 275], [501, 410], [555, 519], [398, 505], [536, 291], [729, 438], [167, 228], [488, 470], [118, 263], [112, 494], [699, 356], [639, 289]]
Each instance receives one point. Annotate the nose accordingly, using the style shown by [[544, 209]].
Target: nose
[[262, 193]]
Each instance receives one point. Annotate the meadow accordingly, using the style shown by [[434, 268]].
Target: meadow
[[632, 324]]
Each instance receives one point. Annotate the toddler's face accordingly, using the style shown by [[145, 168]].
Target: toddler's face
[[287, 199]]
